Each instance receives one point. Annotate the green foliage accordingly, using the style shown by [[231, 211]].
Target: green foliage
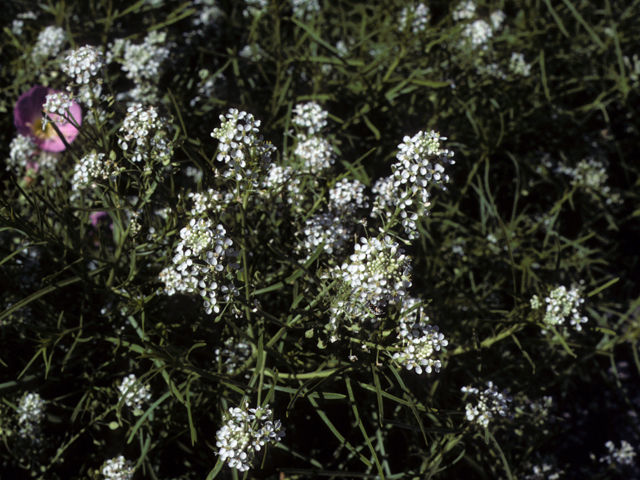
[[544, 193]]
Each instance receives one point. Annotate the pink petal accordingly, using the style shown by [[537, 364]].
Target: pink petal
[[28, 109], [28, 112]]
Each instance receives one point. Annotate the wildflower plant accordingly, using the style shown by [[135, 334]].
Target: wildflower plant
[[488, 404], [419, 341], [561, 305], [254, 206], [30, 415], [245, 432], [133, 394], [245, 152], [619, 456], [118, 469]]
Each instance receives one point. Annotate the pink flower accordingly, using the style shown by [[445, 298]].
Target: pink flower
[[27, 117], [98, 218]]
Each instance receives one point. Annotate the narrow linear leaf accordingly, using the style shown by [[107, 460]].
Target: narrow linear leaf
[[602, 287], [584, 23], [336, 433]]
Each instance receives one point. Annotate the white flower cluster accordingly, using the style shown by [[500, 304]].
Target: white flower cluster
[[633, 65], [385, 196], [16, 27], [591, 174], [92, 168], [202, 261], [18, 23], [245, 432], [346, 197], [420, 164], [232, 355], [335, 227], [133, 392], [209, 201], [619, 456], [57, 103], [497, 17], [142, 131], [279, 177], [419, 16], [118, 469], [83, 63], [492, 69], [207, 13], [30, 414], [475, 36], [29, 15], [86, 95], [21, 149], [343, 48], [478, 34], [316, 152], [518, 65], [254, 52], [490, 402], [49, 43], [247, 154], [418, 340], [544, 471], [378, 273], [458, 245], [327, 228], [206, 85], [141, 62], [464, 10], [310, 116], [562, 304], [305, 9], [542, 407], [255, 8]]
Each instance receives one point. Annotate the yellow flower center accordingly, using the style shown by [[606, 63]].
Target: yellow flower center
[[42, 133]]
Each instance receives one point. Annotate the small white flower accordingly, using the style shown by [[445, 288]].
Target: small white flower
[[377, 273], [49, 44], [202, 264], [141, 62], [241, 148], [143, 137], [83, 63], [518, 65], [497, 17], [93, 168], [478, 33], [255, 8], [245, 432], [464, 10], [317, 154], [490, 402], [30, 415], [57, 103], [562, 304], [133, 392], [21, 150], [310, 116], [418, 340], [305, 9], [118, 469], [619, 456]]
